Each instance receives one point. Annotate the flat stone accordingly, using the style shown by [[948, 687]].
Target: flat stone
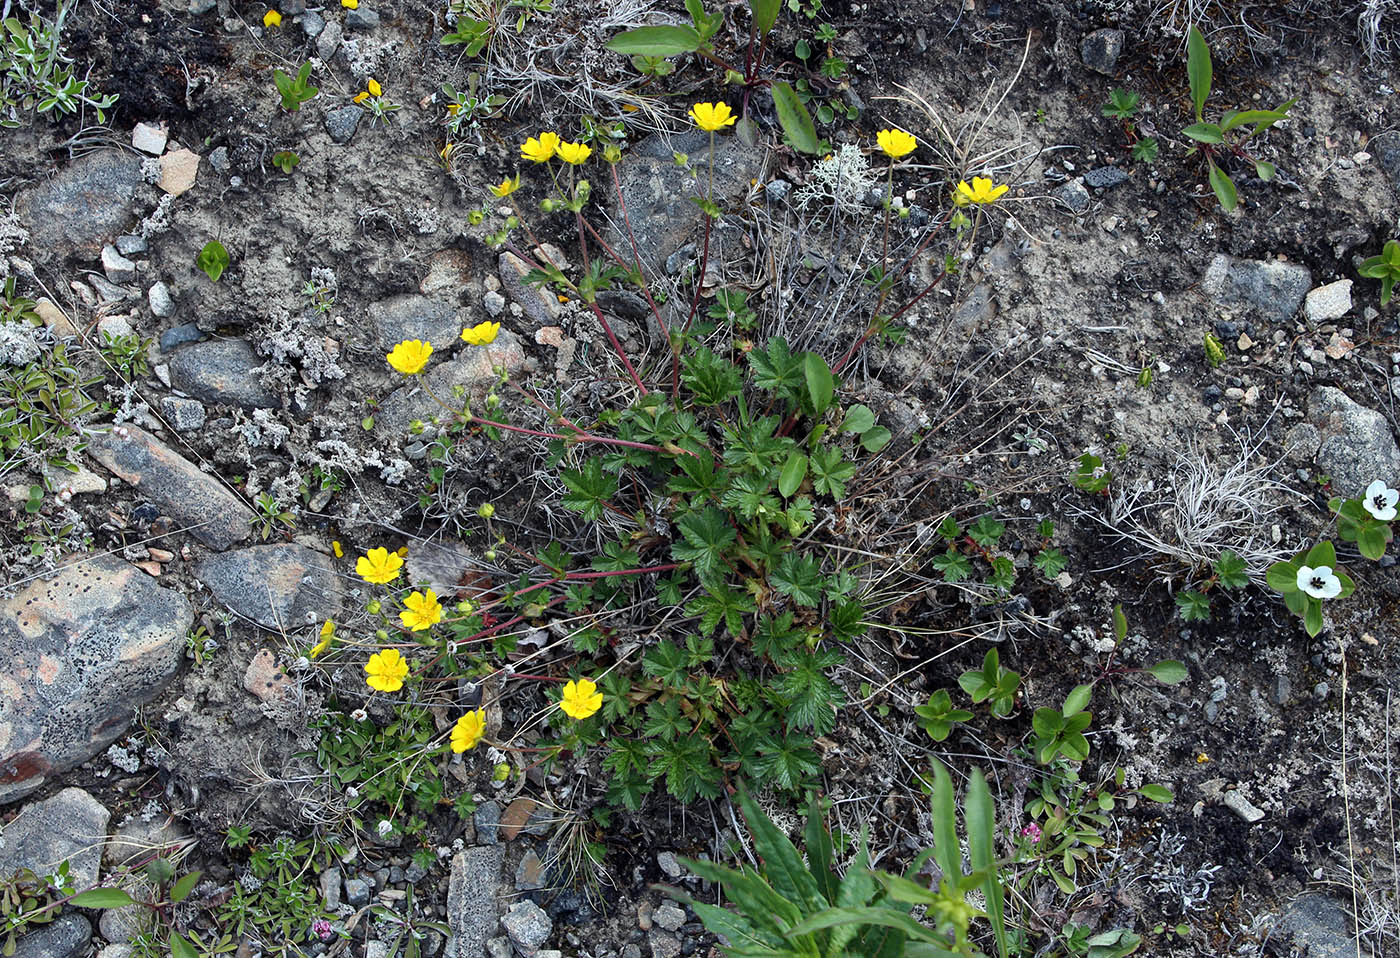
[[268, 680], [194, 499], [218, 159], [1329, 302], [282, 586], [1074, 195], [161, 302], [115, 326], [54, 318], [1275, 289], [494, 303], [341, 123], [71, 826], [178, 170], [1357, 446], [516, 815], [183, 415], [131, 245], [528, 926], [312, 24], [221, 371], [1318, 922], [357, 891], [529, 874], [415, 317], [67, 936], [448, 271], [670, 867], [448, 568], [1241, 806], [657, 192], [329, 42], [118, 268], [669, 916], [80, 483], [1100, 50], [330, 888], [85, 205], [487, 817], [150, 138], [471, 900], [361, 18], [1105, 177], [82, 650], [473, 370], [179, 336], [540, 305], [663, 945], [110, 292]]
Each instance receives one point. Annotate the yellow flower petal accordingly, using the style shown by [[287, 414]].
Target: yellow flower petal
[[421, 611], [386, 670], [481, 334], [272, 19], [374, 88], [712, 116], [574, 153], [468, 731], [580, 699], [379, 566], [410, 356], [896, 143], [540, 149], [350, 4], [507, 187]]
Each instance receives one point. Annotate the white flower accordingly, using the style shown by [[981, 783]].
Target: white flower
[[384, 828], [1380, 500], [1319, 583]]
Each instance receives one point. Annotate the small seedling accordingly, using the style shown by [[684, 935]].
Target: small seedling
[[1308, 579], [1385, 267], [1122, 104], [213, 259], [992, 682], [295, 90], [285, 160], [1091, 476], [1215, 353]]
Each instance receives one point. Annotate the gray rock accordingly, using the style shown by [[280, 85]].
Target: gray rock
[[342, 123], [1104, 177], [82, 650], [67, 936], [198, 7], [500, 948], [84, 206], [376, 949], [471, 899], [1074, 195], [494, 303], [1241, 806], [71, 826], [312, 24], [1282, 690], [330, 888], [663, 945], [329, 40], [357, 891], [218, 159], [473, 370], [528, 926], [124, 924], [487, 817], [110, 292], [541, 307], [1100, 50], [183, 415], [777, 191], [670, 867], [196, 500], [1318, 922], [129, 245], [657, 192], [1329, 302], [221, 371], [529, 874], [1357, 445], [281, 586], [414, 873], [163, 305], [1274, 289], [669, 916], [415, 317], [179, 335], [361, 18]]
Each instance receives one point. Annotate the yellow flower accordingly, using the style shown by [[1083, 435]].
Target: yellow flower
[[374, 88], [481, 334], [468, 731], [446, 151], [507, 187], [410, 356], [452, 108], [386, 670], [421, 610], [981, 191], [350, 4], [379, 566], [327, 637], [895, 143], [580, 699], [362, 96], [272, 19], [337, 548], [540, 150], [712, 116], [574, 153]]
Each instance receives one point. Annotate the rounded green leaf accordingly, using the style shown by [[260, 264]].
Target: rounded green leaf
[[1169, 672], [875, 438], [858, 419], [796, 121], [1371, 539], [794, 471], [1156, 793], [1324, 553], [1224, 188], [1077, 700], [1283, 577], [1312, 616]]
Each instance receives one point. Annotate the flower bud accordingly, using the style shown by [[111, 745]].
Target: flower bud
[[373, 607], [486, 510]]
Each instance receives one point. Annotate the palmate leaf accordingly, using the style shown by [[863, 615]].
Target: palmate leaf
[[687, 768], [777, 370], [707, 534], [798, 576], [590, 488], [829, 472], [811, 697], [752, 496], [787, 763], [721, 603]]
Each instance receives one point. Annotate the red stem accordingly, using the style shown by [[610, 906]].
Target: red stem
[[612, 337]]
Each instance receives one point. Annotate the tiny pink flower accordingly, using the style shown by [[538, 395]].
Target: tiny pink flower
[[1031, 831], [322, 929]]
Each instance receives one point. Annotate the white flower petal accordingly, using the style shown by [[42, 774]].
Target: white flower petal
[[1375, 489], [1305, 577], [1331, 588]]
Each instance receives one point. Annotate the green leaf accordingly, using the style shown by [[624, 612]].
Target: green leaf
[[1169, 672], [102, 898], [1230, 570], [1077, 700], [182, 888], [590, 488], [1312, 616], [782, 864], [946, 851], [875, 438], [1198, 69], [1204, 133], [868, 915], [821, 384], [795, 120], [1120, 622], [829, 472], [1224, 188], [1265, 170], [1371, 539], [798, 577], [1193, 606], [794, 471], [180, 947], [1156, 793], [979, 814], [1324, 553], [858, 420], [213, 259], [820, 852], [765, 14], [706, 536], [665, 41], [1283, 577]]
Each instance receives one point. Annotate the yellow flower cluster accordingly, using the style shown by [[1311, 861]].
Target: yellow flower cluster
[[982, 191], [372, 88], [548, 145], [410, 356], [482, 334]]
